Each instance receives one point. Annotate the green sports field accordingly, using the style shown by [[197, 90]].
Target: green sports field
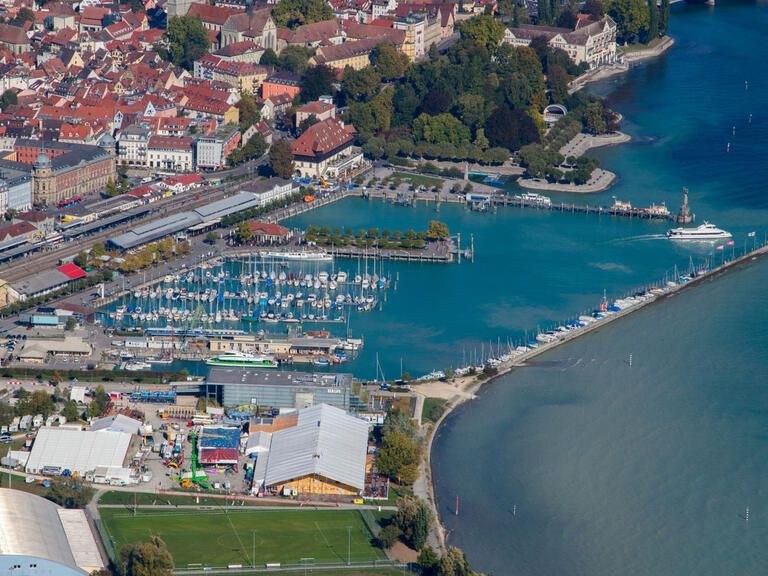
[[216, 538]]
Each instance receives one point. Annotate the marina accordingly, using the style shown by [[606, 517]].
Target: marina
[[240, 292]]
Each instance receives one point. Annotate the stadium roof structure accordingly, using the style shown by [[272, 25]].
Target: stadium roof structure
[[34, 529], [76, 450], [325, 442]]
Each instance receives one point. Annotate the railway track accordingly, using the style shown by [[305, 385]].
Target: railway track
[[16, 270]]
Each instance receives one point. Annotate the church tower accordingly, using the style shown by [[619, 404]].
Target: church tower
[[177, 8]]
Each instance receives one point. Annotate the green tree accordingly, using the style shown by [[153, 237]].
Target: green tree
[[483, 30], [269, 58], [594, 7], [81, 259], [281, 159], [390, 63], [249, 115], [295, 13], [437, 230], [414, 518], [388, 536], [243, 233], [594, 119], [69, 492], [315, 82], [294, 59], [373, 116], [99, 402], [111, 189], [399, 458], [557, 83], [146, 559], [186, 41], [398, 421], [441, 129], [360, 85], [472, 109], [664, 17], [70, 325], [631, 17], [98, 250], [7, 413], [567, 18], [428, 561], [510, 129], [454, 563], [71, 411], [653, 20], [211, 238]]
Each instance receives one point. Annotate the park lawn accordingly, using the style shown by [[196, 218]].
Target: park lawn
[[433, 409], [419, 179], [216, 538], [640, 46]]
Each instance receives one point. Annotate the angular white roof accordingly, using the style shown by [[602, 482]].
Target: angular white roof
[[77, 450], [117, 423], [326, 441], [24, 520], [81, 541]]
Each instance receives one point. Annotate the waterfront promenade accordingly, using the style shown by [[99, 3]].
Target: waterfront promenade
[[579, 145]]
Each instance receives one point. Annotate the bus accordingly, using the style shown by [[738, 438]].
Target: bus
[[69, 202]]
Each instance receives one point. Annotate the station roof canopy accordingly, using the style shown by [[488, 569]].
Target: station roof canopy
[[227, 206], [156, 229], [325, 442]]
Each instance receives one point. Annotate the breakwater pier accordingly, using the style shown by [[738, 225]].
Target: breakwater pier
[[484, 201]]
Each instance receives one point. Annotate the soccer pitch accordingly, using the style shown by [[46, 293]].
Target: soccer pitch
[[218, 538]]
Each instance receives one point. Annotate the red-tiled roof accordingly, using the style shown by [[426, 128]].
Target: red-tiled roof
[[140, 192], [15, 230], [321, 138], [170, 143], [267, 229], [316, 107], [213, 14], [184, 180], [72, 271]]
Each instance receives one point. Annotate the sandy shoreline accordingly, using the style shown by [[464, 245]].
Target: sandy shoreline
[[467, 387]]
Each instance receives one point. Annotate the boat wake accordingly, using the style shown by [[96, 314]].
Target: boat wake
[[640, 238]]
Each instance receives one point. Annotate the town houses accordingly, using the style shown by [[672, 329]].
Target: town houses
[[87, 91]]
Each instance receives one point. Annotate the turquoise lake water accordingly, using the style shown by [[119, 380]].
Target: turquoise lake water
[[583, 465]]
